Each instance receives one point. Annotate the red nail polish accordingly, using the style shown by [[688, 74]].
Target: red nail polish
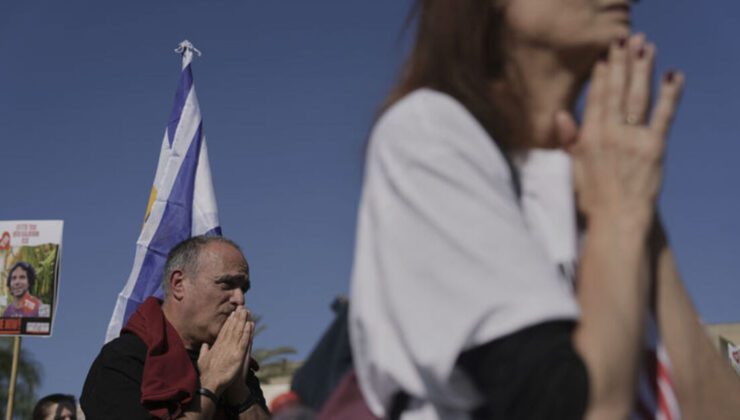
[[670, 77], [622, 42], [641, 52]]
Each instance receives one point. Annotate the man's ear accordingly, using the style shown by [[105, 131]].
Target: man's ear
[[177, 284]]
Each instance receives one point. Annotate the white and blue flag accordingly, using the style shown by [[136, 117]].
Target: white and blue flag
[[182, 203]]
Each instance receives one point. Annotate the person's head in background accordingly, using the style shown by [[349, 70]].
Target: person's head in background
[[56, 407]]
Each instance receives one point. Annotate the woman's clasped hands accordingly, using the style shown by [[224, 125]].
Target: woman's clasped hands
[[618, 150]]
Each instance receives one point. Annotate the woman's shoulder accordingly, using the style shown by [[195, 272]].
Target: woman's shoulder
[[428, 118], [427, 106], [430, 100]]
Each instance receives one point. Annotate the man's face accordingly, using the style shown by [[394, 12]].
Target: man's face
[[215, 290], [18, 282]]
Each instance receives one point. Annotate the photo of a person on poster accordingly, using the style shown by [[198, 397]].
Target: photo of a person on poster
[[20, 281]]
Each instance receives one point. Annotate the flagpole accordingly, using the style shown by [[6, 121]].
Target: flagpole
[[13, 376]]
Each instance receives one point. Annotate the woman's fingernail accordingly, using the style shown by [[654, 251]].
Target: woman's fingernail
[[622, 42], [670, 77], [641, 52]]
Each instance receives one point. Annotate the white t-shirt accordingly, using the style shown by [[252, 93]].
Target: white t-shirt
[[447, 257]]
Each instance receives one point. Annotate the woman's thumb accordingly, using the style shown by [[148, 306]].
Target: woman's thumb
[[566, 130]]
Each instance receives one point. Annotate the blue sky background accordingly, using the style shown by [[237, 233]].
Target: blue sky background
[[288, 92]]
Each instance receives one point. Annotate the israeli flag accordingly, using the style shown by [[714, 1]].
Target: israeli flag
[[182, 203]]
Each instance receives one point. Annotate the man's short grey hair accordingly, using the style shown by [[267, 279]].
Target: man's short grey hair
[[185, 255]]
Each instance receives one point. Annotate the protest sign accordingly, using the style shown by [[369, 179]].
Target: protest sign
[[30, 252]]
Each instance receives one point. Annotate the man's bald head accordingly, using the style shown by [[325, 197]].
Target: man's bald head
[[185, 257]]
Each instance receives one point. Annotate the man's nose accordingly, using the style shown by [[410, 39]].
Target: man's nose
[[237, 297]]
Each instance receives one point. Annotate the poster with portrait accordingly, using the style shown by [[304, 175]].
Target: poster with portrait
[[30, 252]]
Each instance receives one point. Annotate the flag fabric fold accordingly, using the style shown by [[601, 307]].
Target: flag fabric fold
[[657, 398], [182, 202]]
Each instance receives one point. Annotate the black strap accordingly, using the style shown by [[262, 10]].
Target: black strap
[[399, 403], [516, 179], [208, 394]]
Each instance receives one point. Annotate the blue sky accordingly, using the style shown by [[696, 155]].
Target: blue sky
[[288, 92]]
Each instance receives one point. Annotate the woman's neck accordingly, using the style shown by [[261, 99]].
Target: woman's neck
[[534, 86]]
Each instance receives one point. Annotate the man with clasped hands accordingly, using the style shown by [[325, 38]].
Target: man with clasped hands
[[188, 356]]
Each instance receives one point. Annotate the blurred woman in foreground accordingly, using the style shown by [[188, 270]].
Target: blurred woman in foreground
[[466, 299]]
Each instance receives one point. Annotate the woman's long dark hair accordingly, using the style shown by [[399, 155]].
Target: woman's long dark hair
[[457, 51]]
